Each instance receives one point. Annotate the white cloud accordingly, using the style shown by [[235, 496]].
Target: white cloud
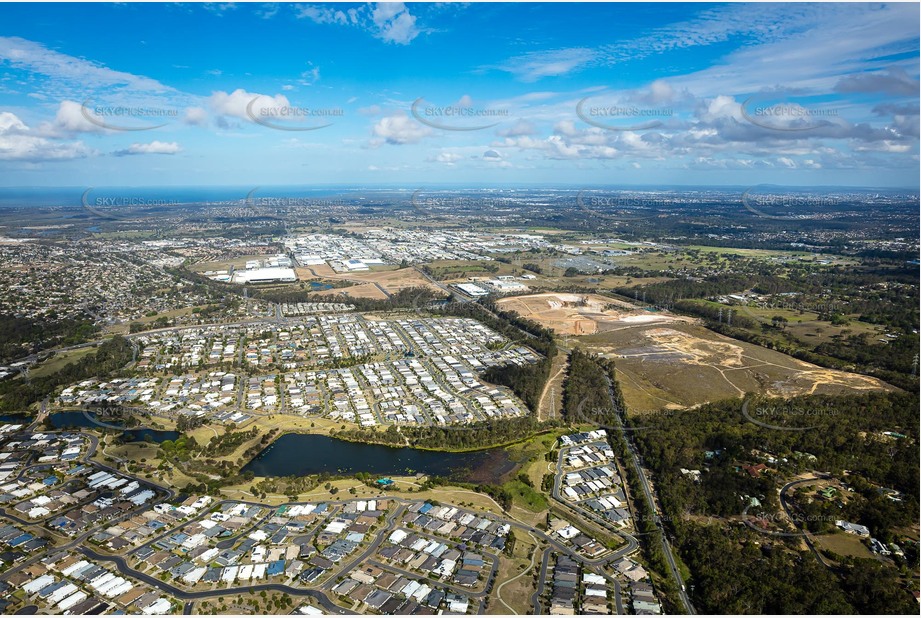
[[321, 14], [793, 44], [154, 147], [71, 118], [394, 22], [36, 58], [19, 143], [310, 76], [218, 8], [399, 129], [552, 63], [391, 22], [522, 127], [235, 103], [809, 46], [268, 10], [895, 82], [714, 131], [196, 116], [448, 158]]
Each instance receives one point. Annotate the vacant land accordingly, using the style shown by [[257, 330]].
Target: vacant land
[[582, 314], [684, 365], [386, 279], [551, 400], [59, 360], [843, 544], [361, 290], [804, 325], [669, 361], [515, 579], [225, 264]]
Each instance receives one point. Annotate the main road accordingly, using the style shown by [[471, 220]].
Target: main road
[[644, 483]]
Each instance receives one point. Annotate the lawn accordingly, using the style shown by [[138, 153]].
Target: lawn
[[526, 496], [59, 361], [843, 544], [516, 595]]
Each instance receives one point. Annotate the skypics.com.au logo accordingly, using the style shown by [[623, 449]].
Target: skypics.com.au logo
[[787, 111], [284, 117], [771, 202], [127, 117], [586, 413], [440, 202], [621, 117], [121, 207], [463, 116], [778, 524], [785, 417], [617, 207], [259, 204]]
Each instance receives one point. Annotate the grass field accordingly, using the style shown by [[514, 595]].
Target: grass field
[[515, 578], [236, 262], [843, 544], [808, 327], [682, 365], [379, 282], [361, 290], [526, 496], [55, 364], [805, 326], [265, 602], [551, 401]]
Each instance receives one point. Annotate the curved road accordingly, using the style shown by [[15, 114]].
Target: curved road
[[632, 544], [786, 507], [165, 493], [122, 565], [541, 581]]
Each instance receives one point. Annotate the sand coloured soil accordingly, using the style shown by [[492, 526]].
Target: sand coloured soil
[[581, 314]]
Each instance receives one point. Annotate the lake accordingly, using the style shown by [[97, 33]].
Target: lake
[[299, 454], [75, 418], [19, 419]]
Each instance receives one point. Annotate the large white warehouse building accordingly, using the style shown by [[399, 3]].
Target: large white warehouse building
[[265, 275]]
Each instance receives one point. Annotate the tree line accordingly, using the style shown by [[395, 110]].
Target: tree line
[[107, 361], [737, 569]]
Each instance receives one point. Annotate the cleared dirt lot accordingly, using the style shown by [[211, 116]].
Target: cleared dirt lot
[[582, 314], [363, 290], [684, 365], [390, 280], [668, 361]]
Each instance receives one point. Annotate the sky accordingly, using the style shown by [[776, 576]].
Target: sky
[[498, 94]]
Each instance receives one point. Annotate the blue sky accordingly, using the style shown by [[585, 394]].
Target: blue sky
[[450, 93]]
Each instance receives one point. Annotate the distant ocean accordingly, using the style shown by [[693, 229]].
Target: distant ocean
[[12, 197]]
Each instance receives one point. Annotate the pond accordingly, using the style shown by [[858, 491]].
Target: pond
[[76, 418], [19, 419], [299, 454]]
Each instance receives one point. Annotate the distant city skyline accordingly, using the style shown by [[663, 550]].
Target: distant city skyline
[[453, 95]]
